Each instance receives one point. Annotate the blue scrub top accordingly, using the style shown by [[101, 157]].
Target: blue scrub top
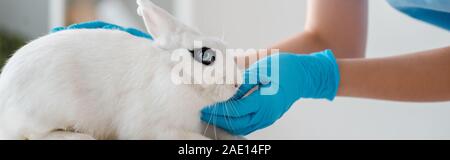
[[436, 12]]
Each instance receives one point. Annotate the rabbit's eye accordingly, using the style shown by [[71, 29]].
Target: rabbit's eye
[[205, 55]]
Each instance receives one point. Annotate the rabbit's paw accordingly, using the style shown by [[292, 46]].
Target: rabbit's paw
[[61, 135]]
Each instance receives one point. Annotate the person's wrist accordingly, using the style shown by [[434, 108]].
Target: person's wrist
[[334, 76]]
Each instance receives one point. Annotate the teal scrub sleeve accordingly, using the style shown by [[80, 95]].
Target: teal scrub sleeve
[[436, 12]]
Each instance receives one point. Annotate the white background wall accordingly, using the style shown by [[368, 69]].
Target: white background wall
[[29, 18], [260, 23], [34, 18]]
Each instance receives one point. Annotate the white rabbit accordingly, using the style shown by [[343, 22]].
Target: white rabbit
[[106, 84]]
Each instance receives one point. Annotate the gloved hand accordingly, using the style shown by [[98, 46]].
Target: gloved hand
[[103, 25], [299, 76]]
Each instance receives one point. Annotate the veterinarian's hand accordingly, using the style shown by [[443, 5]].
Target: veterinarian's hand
[[289, 77], [103, 25]]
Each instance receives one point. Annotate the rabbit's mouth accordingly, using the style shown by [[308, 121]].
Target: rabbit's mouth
[[225, 92], [222, 93]]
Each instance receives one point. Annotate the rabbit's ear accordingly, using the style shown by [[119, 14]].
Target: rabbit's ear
[[157, 21]]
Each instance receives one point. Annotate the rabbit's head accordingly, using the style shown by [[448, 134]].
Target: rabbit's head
[[199, 61]]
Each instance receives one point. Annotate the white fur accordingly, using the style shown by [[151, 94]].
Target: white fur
[[104, 84]]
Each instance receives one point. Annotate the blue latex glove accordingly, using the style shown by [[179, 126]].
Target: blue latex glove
[[300, 76], [104, 25]]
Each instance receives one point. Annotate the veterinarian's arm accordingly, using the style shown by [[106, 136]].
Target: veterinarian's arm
[[423, 76], [331, 24], [420, 77]]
